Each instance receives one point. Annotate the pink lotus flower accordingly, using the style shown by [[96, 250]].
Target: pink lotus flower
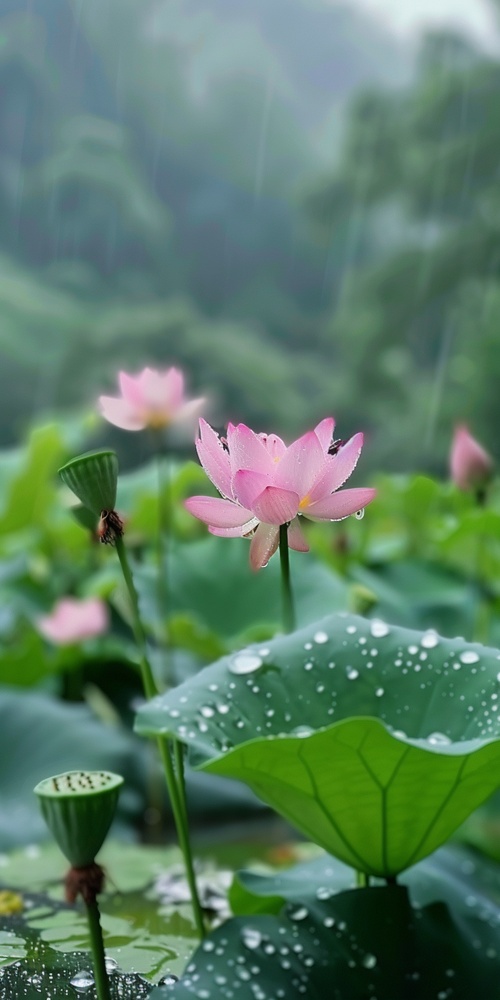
[[150, 399], [470, 464], [73, 620], [264, 484]]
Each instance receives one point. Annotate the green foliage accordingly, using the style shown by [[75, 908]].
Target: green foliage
[[345, 729], [353, 942]]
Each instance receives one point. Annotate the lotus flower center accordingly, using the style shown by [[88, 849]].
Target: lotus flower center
[[156, 419], [305, 502]]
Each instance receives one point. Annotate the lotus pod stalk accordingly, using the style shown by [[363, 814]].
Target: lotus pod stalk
[[78, 807]]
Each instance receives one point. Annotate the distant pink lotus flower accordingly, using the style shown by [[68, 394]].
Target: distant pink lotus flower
[[72, 620], [470, 465], [149, 399], [264, 484]]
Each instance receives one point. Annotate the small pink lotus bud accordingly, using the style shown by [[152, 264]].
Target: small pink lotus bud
[[470, 465]]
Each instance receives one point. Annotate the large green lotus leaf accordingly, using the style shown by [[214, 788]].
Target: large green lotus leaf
[[468, 883], [375, 741], [355, 945]]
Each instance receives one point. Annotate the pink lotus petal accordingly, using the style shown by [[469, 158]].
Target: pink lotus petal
[[173, 387], [131, 390], [263, 545], [247, 486], [274, 445], [339, 505], [214, 459], [338, 468], [73, 620], [245, 529], [121, 414], [301, 465], [159, 390], [296, 539], [276, 506], [324, 432], [188, 410], [218, 513], [247, 451]]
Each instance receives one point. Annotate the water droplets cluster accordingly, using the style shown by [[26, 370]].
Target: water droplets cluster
[[67, 976], [350, 666]]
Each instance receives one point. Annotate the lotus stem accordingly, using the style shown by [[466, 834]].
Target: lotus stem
[[162, 550], [98, 953], [175, 783], [288, 608]]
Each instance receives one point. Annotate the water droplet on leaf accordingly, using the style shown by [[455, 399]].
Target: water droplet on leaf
[[378, 628], [438, 739], [245, 663], [469, 656]]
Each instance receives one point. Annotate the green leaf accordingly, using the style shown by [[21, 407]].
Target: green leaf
[[31, 491], [376, 742], [420, 594], [352, 945]]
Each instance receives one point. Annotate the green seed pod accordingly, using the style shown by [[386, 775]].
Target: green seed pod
[[78, 808], [85, 517], [93, 478]]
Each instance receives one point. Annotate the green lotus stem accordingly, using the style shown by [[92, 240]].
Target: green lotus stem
[[362, 879], [98, 954], [164, 518], [178, 803], [181, 784], [175, 784], [288, 609], [148, 681]]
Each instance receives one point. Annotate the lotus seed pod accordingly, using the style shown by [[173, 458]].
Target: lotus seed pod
[[93, 478], [78, 807], [85, 517]]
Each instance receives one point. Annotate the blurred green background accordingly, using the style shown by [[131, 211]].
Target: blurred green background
[[289, 198]]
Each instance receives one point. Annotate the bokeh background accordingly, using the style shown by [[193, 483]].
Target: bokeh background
[[298, 201]]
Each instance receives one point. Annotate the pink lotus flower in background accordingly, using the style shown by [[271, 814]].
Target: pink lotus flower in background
[[72, 620], [264, 484], [470, 465], [149, 399]]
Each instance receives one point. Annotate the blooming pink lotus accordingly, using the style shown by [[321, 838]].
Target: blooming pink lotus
[[149, 399], [470, 464], [264, 484], [72, 620]]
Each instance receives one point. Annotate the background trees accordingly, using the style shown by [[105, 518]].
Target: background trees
[[274, 196]]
